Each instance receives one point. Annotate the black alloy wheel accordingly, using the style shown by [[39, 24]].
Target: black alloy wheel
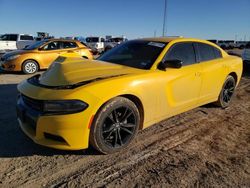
[[115, 126], [226, 92]]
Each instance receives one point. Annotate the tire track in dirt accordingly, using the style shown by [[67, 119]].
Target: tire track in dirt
[[114, 172], [29, 173]]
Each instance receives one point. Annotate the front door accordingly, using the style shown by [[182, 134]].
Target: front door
[[183, 85], [49, 52]]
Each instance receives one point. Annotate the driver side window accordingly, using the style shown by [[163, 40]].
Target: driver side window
[[183, 52], [54, 45]]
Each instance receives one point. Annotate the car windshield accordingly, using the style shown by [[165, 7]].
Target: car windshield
[[136, 53], [35, 45]]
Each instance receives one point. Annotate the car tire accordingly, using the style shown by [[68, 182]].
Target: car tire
[[30, 67], [115, 125], [227, 92]]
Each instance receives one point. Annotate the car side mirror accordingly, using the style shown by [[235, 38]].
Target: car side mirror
[[173, 63]]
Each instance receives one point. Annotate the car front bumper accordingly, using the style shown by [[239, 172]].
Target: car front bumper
[[66, 132], [61, 132], [9, 66]]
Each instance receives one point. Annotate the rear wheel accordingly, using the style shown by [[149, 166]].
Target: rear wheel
[[30, 67], [226, 92], [115, 125]]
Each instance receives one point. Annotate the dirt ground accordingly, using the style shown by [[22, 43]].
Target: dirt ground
[[205, 147]]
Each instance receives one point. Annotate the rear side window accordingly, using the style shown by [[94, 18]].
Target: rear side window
[[26, 37], [54, 45], [183, 52], [207, 52], [69, 45]]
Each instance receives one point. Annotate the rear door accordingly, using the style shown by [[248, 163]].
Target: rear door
[[12, 41], [69, 47], [213, 69], [3, 42], [8, 42]]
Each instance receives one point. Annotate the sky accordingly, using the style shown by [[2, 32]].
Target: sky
[[205, 19]]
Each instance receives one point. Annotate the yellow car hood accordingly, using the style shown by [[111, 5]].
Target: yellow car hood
[[68, 71]]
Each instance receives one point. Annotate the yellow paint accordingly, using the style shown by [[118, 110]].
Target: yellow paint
[[44, 58], [162, 93]]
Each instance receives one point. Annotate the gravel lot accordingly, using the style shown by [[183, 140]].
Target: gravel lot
[[207, 147]]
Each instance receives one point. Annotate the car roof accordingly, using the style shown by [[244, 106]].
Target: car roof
[[161, 39], [63, 40], [177, 39], [169, 39]]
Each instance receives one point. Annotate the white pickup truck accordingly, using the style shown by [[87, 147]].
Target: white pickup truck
[[96, 43], [14, 41]]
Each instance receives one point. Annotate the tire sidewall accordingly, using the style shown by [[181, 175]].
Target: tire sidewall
[[96, 138], [222, 103]]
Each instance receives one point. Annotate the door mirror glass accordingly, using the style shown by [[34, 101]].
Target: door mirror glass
[[174, 63]]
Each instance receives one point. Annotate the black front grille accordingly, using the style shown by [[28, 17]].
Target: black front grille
[[33, 103], [54, 137]]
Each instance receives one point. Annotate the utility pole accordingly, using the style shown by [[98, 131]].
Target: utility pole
[[154, 33], [164, 19]]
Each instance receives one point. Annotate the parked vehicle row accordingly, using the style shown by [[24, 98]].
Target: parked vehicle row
[[230, 44], [41, 54], [9, 42]]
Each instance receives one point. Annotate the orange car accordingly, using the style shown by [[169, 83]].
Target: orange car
[[41, 54]]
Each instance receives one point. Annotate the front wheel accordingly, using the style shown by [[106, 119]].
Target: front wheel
[[30, 67], [115, 125], [226, 92]]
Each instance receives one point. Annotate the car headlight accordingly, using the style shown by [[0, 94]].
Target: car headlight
[[63, 106], [12, 57]]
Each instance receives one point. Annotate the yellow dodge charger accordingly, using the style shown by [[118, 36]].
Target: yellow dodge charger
[[136, 84], [41, 54]]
